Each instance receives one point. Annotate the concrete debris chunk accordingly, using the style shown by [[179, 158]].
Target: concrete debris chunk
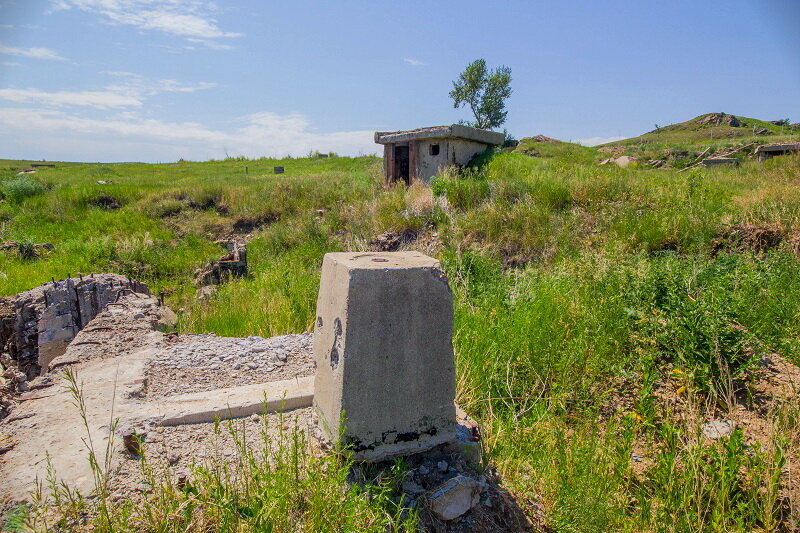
[[454, 497], [231, 265], [49, 317], [716, 429]]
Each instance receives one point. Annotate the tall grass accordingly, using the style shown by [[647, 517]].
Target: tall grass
[[573, 284]]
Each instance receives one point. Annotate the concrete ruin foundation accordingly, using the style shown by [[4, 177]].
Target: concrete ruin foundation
[[47, 318], [383, 349]]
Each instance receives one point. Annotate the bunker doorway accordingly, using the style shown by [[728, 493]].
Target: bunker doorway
[[402, 164]]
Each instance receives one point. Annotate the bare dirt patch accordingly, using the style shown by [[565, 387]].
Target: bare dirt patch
[[751, 238], [391, 241], [250, 224], [107, 202]]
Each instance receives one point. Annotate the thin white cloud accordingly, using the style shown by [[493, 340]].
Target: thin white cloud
[[189, 19], [99, 99], [33, 53], [9, 63], [141, 86], [254, 135], [414, 62], [131, 92], [594, 141]]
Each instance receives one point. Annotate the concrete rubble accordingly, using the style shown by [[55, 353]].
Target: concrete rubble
[[168, 390], [231, 265], [50, 316], [112, 358], [717, 429]]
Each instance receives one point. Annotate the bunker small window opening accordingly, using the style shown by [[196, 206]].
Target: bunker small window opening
[[434, 149]]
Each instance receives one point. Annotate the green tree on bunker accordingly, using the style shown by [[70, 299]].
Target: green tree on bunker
[[485, 91]]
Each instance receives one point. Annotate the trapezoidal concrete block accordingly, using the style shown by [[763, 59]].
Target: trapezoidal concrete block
[[383, 348]]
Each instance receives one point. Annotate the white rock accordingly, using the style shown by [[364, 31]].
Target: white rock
[[454, 497], [716, 429]]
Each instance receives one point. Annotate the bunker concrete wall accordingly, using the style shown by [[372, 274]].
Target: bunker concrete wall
[[382, 345], [429, 165], [451, 152]]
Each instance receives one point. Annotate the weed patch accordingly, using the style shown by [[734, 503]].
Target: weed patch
[[17, 189]]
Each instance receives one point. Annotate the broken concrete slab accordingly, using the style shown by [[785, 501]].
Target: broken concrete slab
[[47, 318], [49, 424], [132, 323], [720, 162], [55, 431], [236, 402], [382, 345], [111, 357]]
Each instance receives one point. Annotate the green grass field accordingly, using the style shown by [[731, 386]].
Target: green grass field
[[575, 285]]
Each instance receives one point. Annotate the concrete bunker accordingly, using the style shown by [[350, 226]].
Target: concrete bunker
[[768, 151], [420, 154]]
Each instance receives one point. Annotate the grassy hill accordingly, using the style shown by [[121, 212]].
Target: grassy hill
[[541, 146], [709, 127], [602, 316], [679, 145]]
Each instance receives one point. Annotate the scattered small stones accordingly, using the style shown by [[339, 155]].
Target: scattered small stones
[[144, 488], [194, 363]]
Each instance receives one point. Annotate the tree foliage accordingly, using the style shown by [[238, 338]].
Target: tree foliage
[[485, 92]]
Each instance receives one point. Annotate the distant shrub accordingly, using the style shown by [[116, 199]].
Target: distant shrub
[[21, 187], [26, 249]]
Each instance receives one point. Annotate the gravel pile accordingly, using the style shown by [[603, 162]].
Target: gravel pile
[[193, 363]]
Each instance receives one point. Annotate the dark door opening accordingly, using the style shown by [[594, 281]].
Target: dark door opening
[[401, 162]]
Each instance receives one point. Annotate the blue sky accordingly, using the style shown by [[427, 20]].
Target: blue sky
[[157, 80]]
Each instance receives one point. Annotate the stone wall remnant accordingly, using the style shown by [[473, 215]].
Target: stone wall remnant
[[47, 318], [382, 346]]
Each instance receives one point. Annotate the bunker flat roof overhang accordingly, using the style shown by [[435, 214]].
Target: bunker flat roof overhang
[[454, 131], [779, 147]]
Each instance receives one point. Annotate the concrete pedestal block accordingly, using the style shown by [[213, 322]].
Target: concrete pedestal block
[[382, 344]]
